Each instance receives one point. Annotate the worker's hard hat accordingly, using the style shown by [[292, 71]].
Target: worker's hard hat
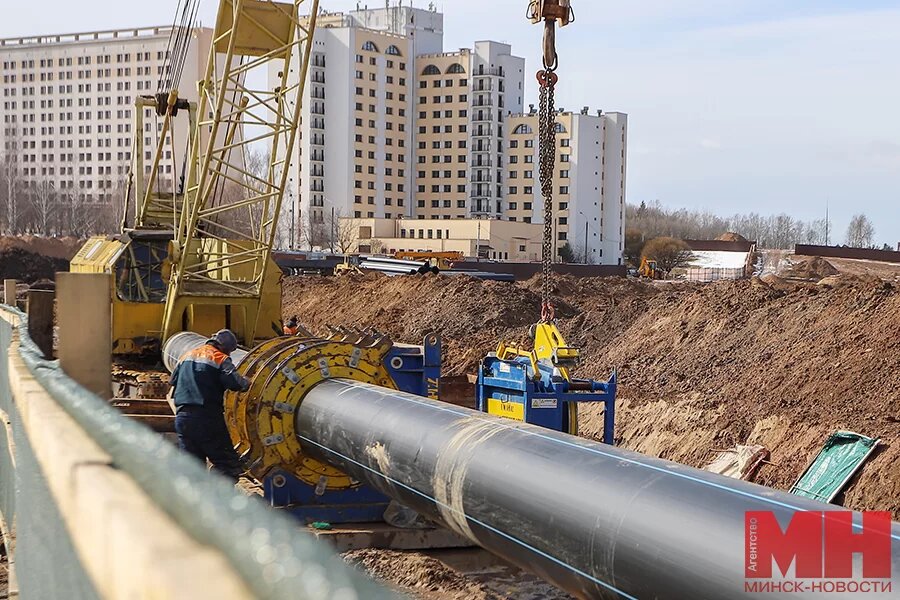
[[225, 340], [292, 321]]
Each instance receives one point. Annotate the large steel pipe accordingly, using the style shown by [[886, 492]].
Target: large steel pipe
[[595, 520], [182, 343]]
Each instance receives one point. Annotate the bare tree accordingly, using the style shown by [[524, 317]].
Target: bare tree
[[345, 233], [861, 232], [12, 187], [313, 232], [44, 202]]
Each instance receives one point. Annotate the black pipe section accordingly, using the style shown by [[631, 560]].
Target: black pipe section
[[597, 521]]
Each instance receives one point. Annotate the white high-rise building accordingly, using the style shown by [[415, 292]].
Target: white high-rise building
[[588, 182], [68, 103]]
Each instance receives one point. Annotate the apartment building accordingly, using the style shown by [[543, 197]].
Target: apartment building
[[353, 156], [68, 103], [392, 125], [588, 182], [462, 103]]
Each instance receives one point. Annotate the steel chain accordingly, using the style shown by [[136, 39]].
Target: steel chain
[[547, 158]]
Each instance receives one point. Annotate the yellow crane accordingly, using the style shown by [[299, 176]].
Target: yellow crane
[[198, 257]]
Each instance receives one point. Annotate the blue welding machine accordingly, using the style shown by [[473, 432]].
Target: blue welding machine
[[538, 392]]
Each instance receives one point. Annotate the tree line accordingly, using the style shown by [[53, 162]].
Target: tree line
[[35, 205], [648, 221]]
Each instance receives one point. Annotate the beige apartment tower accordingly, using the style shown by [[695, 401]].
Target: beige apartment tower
[[68, 103]]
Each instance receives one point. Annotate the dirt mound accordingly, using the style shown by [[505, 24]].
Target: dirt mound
[[63, 247], [701, 367], [810, 269], [417, 572], [28, 267], [731, 237]]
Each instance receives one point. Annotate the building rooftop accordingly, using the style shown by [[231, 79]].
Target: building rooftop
[[87, 36]]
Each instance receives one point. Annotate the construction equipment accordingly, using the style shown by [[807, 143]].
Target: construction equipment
[[282, 372], [594, 520], [198, 257], [350, 265], [650, 269], [442, 260], [535, 386]]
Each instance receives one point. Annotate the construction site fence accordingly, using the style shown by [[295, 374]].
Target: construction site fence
[[95, 505], [706, 274], [524, 271], [843, 252]]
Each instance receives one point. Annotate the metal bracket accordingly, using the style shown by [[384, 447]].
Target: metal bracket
[[323, 367], [283, 407], [273, 439], [291, 375], [355, 356]]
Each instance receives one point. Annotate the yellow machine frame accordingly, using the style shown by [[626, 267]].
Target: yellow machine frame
[[201, 260], [549, 346], [223, 242]]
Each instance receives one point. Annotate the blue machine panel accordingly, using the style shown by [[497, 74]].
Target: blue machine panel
[[510, 388]]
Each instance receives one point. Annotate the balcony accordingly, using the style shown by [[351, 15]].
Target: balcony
[[482, 72], [482, 132]]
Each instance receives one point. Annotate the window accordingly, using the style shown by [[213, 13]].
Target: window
[[560, 128], [528, 189], [455, 68], [564, 174], [523, 129], [513, 190], [431, 70], [565, 142], [564, 158], [393, 50], [563, 189], [370, 47]]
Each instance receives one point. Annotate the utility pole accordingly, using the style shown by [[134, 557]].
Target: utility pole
[[585, 241], [827, 223], [332, 230], [478, 244]]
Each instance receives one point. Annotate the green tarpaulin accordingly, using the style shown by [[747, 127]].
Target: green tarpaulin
[[843, 455]]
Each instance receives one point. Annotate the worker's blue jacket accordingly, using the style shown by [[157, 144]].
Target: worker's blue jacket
[[203, 375]]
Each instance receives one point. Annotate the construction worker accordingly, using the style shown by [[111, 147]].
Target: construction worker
[[200, 381], [292, 326]]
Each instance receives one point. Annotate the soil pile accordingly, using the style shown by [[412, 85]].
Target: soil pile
[[62, 247], [731, 237], [701, 367], [28, 267], [811, 269]]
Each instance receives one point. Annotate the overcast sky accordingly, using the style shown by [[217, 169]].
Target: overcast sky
[[734, 105]]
